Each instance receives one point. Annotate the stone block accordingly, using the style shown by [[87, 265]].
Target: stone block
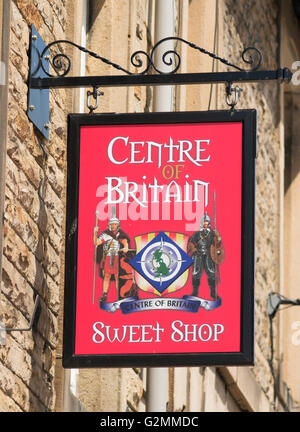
[[57, 148], [54, 204], [23, 189], [55, 176], [48, 325], [7, 404], [17, 88], [18, 51], [17, 289], [14, 388], [29, 12]]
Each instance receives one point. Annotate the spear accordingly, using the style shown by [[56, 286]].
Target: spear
[[95, 257], [217, 273]]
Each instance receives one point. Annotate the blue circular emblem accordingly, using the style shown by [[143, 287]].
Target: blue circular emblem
[[161, 261]]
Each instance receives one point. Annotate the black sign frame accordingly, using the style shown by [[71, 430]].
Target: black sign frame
[[246, 354]]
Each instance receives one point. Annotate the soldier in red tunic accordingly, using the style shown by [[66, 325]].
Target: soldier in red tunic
[[111, 242]]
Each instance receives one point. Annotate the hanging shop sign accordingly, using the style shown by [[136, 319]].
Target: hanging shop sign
[[160, 239]]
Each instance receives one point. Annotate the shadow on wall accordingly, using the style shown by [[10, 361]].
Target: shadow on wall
[[249, 19], [95, 7], [296, 6], [44, 332]]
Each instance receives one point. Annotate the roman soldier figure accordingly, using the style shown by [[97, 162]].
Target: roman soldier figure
[[205, 246], [109, 244]]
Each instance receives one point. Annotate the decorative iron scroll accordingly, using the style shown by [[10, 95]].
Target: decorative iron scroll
[[61, 63]]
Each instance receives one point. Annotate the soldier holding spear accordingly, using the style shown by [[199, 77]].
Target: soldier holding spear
[[111, 242], [207, 251]]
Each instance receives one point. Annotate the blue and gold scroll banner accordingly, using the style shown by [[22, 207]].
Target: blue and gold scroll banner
[[185, 304]]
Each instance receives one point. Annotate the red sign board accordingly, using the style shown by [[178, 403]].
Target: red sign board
[[160, 239]]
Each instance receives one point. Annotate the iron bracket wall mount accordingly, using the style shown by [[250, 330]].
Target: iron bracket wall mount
[[146, 72], [4, 329]]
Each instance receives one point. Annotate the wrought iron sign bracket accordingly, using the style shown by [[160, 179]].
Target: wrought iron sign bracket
[[146, 73], [274, 301], [26, 329]]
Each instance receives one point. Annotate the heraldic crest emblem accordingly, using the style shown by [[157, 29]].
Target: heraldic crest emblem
[[160, 262]]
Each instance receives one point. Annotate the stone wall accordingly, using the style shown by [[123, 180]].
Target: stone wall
[[33, 222], [245, 25]]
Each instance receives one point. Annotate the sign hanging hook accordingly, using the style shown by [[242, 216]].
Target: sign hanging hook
[[96, 95], [231, 99]]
